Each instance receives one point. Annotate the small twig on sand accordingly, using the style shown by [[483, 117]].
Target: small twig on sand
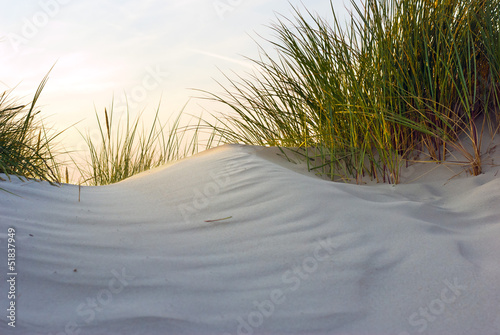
[[218, 219]]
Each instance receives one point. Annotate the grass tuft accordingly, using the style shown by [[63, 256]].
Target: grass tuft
[[126, 150], [403, 77], [26, 146]]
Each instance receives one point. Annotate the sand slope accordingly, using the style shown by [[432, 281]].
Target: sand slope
[[299, 255]]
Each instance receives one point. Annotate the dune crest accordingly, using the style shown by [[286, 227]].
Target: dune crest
[[294, 254]]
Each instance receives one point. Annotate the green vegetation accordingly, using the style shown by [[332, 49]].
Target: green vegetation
[[26, 147], [122, 153], [404, 77]]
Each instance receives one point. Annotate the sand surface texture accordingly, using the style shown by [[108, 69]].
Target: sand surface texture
[[293, 253]]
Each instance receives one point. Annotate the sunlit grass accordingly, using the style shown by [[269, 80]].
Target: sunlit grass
[[126, 148], [26, 146], [403, 77]]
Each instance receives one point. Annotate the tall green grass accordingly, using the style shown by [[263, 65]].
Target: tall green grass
[[126, 148], [26, 146], [402, 77]]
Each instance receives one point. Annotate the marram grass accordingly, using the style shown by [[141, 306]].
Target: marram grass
[[126, 148], [26, 146], [403, 77], [123, 149]]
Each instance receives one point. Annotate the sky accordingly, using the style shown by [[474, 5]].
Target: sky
[[142, 52]]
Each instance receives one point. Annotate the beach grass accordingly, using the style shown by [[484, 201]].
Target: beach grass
[[401, 81], [403, 78], [27, 147], [127, 148]]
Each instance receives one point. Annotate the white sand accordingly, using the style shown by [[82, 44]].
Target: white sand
[[299, 255]]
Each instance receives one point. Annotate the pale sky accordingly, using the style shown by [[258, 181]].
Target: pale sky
[[143, 49]]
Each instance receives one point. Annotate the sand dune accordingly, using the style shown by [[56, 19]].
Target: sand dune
[[294, 254]]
